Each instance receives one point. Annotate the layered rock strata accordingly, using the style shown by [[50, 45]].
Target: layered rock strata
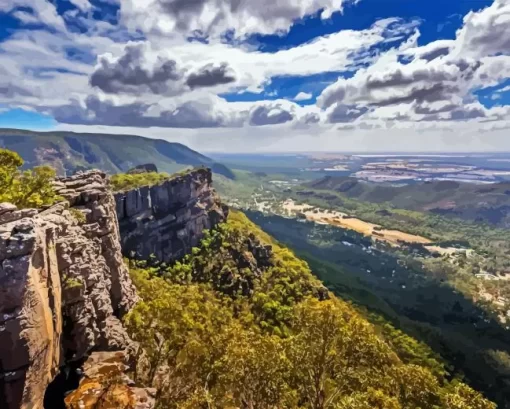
[[63, 287], [167, 220]]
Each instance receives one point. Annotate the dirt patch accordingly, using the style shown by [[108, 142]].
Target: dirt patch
[[393, 237]]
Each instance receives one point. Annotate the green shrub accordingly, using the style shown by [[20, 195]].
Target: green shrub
[[126, 181], [29, 188], [78, 215]]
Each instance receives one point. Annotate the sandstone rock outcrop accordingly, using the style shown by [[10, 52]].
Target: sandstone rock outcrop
[[106, 386], [167, 220], [63, 287]]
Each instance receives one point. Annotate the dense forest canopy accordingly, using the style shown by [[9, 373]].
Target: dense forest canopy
[[218, 332]]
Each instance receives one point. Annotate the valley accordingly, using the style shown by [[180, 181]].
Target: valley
[[234, 204], [442, 276], [418, 276], [376, 232]]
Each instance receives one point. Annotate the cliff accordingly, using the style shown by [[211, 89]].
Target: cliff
[[167, 220], [63, 287]]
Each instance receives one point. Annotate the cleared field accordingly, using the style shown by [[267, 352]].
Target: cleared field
[[393, 237]]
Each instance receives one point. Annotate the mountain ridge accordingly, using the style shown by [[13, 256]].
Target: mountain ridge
[[69, 152], [489, 203]]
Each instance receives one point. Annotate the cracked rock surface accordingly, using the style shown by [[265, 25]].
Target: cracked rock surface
[[63, 287], [167, 220]]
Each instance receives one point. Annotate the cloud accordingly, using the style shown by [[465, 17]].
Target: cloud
[[270, 114], [111, 112], [246, 69], [434, 81], [340, 113], [206, 112], [143, 73], [310, 118], [485, 33], [8, 90], [140, 70], [134, 73], [430, 51], [215, 17], [401, 136], [303, 96], [210, 75], [145, 69], [470, 111], [392, 82], [39, 11], [83, 5]]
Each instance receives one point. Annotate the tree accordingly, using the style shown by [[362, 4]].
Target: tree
[[334, 353], [256, 370], [181, 331], [29, 188], [415, 386], [371, 399], [35, 187], [462, 396], [9, 164]]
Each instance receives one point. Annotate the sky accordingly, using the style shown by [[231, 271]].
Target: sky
[[265, 75]]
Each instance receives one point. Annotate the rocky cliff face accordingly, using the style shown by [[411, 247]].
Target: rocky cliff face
[[63, 287], [167, 220]]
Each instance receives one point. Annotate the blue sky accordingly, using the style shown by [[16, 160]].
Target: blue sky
[[440, 20], [20, 118], [326, 68]]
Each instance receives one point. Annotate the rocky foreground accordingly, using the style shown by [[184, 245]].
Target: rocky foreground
[[64, 287]]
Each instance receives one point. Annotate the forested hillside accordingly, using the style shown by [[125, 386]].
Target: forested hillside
[[488, 203], [242, 322], [69, 152], [435, 299]]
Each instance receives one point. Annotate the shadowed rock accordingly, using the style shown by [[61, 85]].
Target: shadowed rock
[[168, 220]]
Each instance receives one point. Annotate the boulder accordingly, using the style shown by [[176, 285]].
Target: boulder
[[105, 385]]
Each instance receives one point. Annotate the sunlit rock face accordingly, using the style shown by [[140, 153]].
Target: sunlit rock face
[[168, 220], [106, 386], [63, 287]]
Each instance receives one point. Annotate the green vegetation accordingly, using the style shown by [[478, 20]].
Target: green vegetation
[[235, 324], [430, 298], [127, 181], [78, 215], [68, 152], [29, 188], [483, 237], [448, 198], [71, 282]]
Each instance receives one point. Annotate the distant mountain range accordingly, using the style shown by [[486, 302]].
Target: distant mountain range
[[69, 152], [476, 202]]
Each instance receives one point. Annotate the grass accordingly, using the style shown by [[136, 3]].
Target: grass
[[127, 181]]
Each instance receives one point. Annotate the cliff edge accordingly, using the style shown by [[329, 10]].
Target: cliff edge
[[63, 287], [166, 220]]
